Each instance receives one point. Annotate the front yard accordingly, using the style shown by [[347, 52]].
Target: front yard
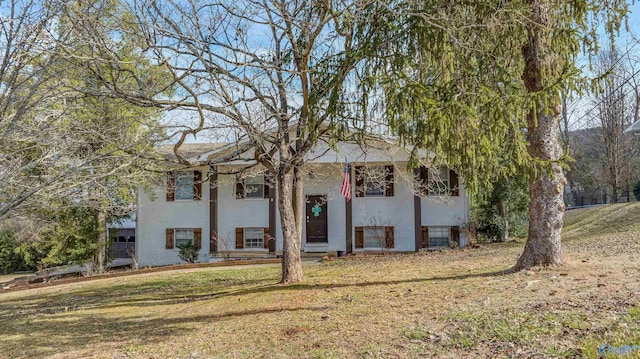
[[451, 304]]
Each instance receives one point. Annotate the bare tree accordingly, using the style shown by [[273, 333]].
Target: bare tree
[[62, 144], [271, 76], [614, 107]]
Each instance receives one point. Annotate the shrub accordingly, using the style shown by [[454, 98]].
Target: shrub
[[188, 252], [10, 261], [636, 190]]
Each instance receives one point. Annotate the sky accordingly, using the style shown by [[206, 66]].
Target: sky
[[580, 110]]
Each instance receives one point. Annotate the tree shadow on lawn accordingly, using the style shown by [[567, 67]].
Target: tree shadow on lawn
[[49, 335], [156, 294], [303, 286], [48, 323], [119, 295]]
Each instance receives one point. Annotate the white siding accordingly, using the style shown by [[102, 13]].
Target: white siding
[[155, 216], [396, 211], [238, 213], [446, 211]]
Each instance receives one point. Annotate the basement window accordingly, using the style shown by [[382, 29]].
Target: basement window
[[183, 236], [254, 238], [439, 237]]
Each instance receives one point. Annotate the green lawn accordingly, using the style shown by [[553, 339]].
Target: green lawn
[[451, 304]]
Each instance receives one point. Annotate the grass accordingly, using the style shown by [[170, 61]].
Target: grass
[[597, 221], [452, 304], [9, 277]]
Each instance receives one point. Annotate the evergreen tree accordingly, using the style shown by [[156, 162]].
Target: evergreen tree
[[471, 81]]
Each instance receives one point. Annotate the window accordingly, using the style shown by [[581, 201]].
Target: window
[[374, 237], [254, 238], [254, 187], [183, 236], [375, 181], [436, 182], [179, 236], [184, 185], [438, 237], [251, 187], [439, 181]]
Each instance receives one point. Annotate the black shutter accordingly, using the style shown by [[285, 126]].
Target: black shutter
[[425, 237], [424, 181], [239, 188], [359, 172], [197, 237], [169, 238], [197, 183], [171, 186], [388, 237], [455, 235], [239, 238], [453, 183], [359, 237], [388, 191]]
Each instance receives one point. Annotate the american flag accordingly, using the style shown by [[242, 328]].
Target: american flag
[[345, 190]]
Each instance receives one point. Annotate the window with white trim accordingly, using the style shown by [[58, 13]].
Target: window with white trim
[[254, 238], [438, 237], [374, 237], [185, 185], [254, 187], [439, 181], [183, 236], [251, 187], [374, 181]]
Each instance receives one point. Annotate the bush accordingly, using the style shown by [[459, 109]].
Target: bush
[[55, 237], [505, 196], [636, 190], [10, 260], [188, 252]]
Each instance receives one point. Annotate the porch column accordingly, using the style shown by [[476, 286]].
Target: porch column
[[417, 215], [349, 218], [213, 208]]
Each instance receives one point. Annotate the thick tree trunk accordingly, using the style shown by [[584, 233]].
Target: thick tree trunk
[[298, 199], [101, 254], [546, 205], [291, 263]]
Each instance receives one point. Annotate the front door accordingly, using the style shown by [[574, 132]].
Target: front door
[[316, 219]]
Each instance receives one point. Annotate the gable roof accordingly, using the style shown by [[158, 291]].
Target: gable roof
[[635, 128], [190, 151]]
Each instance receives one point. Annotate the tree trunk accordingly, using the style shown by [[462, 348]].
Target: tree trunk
[[298, 200], [546, 205], [504, 213], [101, 254], [291, 263]]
